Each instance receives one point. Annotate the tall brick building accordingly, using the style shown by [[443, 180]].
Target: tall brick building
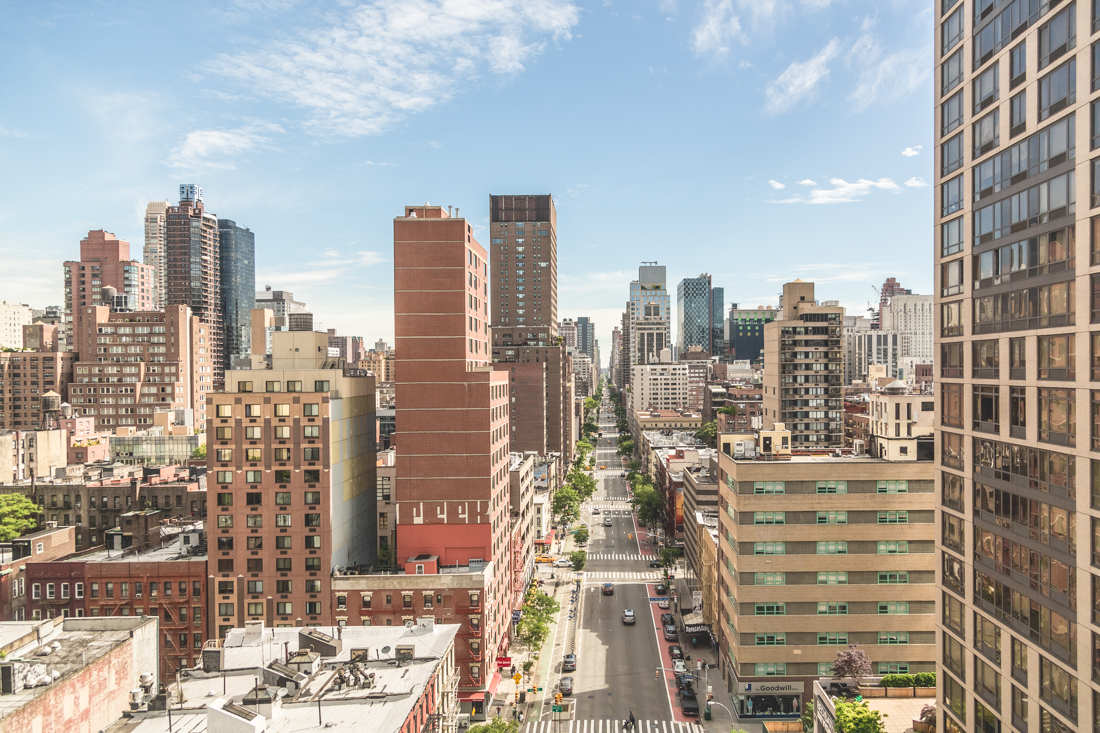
[[194, 277], [105, 262], [26, 376]]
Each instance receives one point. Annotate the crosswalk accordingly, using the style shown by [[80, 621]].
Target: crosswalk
[[616, 556], [601, 575], [608, 726]]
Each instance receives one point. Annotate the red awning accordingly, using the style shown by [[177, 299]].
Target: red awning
[[492, 688], [471, 696], [547, 539]]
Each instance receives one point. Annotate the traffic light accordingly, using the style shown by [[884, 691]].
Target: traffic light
[[517, 695], [557, 698], [657, 673]]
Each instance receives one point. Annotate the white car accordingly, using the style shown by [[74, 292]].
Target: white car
[[678, 666], [561, 562], [663, 603]]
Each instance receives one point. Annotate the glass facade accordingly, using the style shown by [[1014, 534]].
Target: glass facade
[[693, 313], [238, 287]]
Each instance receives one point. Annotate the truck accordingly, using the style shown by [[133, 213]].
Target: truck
[[689, 703]]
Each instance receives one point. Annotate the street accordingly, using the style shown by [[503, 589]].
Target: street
[[617, 663]]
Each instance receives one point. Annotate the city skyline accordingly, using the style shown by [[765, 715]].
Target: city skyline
[[334, 185]]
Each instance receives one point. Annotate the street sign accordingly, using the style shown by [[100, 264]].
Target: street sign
[[555, 708], [517, 677], [504, 662]]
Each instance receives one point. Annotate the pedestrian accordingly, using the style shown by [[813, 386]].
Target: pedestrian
[[513, 671], [498, 711], [632, 720]]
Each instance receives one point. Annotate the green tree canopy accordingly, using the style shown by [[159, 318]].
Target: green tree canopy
[[18, 515], [648, 502], [581, 535], [578, 558], [591, 403], [708, 433], [567, 504], [857, 717], [496, 725], [731, 410], [199, 452]]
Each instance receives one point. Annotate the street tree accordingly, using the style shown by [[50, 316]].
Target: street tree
[[648, 502], [567, 504], [852, 662], [18, 515], [581, 535], [857, 717], [199, 452], [496, 725], [626, 448], [578, 558], [708, 433]]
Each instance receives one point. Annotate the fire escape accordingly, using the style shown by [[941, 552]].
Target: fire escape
[[445, 717], [170, 624]]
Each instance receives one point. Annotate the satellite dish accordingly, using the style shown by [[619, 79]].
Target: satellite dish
[[385, 650]]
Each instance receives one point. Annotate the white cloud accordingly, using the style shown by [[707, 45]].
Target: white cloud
[[912, 151], [578, 189], [667, 6], [885, 77], [776, 185], [916, 182], [377, 63], [807, 182], [842, 192], [744, 64], [718, 28], [816, 4], [217, 149], [800, 80], [369, 258], [5, 132]]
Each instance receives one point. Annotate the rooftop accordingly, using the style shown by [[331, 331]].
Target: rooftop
[[673, 439]]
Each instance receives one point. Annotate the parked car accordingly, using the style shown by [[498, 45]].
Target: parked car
[[689, 703], [661, 589], [678, 666], [595, 510], [544, 558], [565, 687], [607, 521], [675, 652], [609, 589], [654, 563], [628, 617], [562, 562], [666, 620], [663, 603], [670, 633], [569, 663]]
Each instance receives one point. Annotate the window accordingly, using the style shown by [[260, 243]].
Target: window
[[313, 608], [1017, 114], [313, 475], [244, 387], [225, 565], [255, 609], [986, 359], [769, 579], [832, 548], [253, 432], [225, 609], [253, 477], [892, 547], [951, 72], [78, 590], [225, 499], [768, 548], [223, 433], [954, 655], [832, 578], [1057, 90], [839, 638], [282, 498], [283, 454], [253, 498], [313, 563], [254, 543], [1017, 64], [225, 520], [951, 195], [313, 542], [771, 639], [283, 565], [769, 487], [255, 565], [893, 487], [893, 578], [951, 114], [894, 608], [1057, 357], [952, 236], [771, 669], [311, 454], [832, 487], [225, 410], [987, 133], [951, 277], [224, 477], [951, 319], [1057, 416], [987, 408], [312, 497], [282, 542], [832, 517], [1057, 36], [770, 609], [986, 90], [1017, 358], [284, 608], [951, 31], [769, 517], [293, 386], [282, 520], [954, 697], [893, 517], [953, 614], [254, 520], [311, 410], [951, 155], [282, 410], [830, 608], [272, 387], [253, 410], [223, 455], [321, 385], [1057, 687], [282, 432]]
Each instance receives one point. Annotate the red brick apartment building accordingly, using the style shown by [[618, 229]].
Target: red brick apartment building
[[42, 546], [105, 262], [26, 377]]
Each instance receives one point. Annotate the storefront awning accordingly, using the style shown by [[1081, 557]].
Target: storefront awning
[[547, 539], [493, 683]]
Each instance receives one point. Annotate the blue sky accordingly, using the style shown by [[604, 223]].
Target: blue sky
[[757, 140]]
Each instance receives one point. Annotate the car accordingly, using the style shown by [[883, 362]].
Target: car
[[689, 703], [595, 510], [628, 617], [562, 562], [565, 685], [622, 475], [608, 589], [670, 633], [662, 589], [607, 521], [569, 663], [666, 619], [678, 666], [602, 467], [654, 563], [675, 652], [663, 603], [544, 558]]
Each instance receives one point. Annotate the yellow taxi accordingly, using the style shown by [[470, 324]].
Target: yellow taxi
[[544, 558]]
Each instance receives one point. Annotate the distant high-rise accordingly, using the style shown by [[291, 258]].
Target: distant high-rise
[[155, 252], [105, 262], [524, 277], [804, 369], [649, 312], [194, 278], [745, 331], [586, 337], [238, 287], [890, 288], [693, 313], [719, 346]]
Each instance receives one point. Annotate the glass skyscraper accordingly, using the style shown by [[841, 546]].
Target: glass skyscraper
[[238, 287], [693, 313]]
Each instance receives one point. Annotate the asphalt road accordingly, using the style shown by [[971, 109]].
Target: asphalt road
[[616, 662]]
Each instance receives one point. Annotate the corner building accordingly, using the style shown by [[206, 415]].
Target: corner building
[[291, 464], [1015, 96]]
